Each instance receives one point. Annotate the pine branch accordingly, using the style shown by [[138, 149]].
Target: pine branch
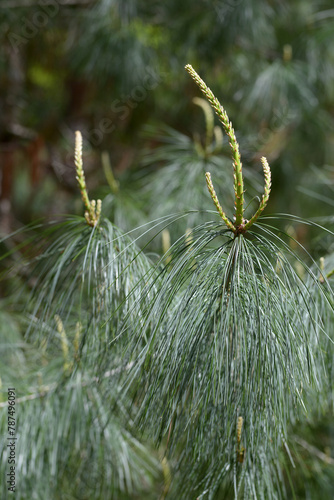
[[43, 390], [93, 208], [241, 225], [227, 125], [265, 197], [217, 204]]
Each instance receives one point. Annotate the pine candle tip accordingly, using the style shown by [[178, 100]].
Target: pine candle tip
[[189, 68], [78, 150], [78, 138]]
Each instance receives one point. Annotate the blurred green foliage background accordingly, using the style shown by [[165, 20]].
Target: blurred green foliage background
[[114, 69]]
